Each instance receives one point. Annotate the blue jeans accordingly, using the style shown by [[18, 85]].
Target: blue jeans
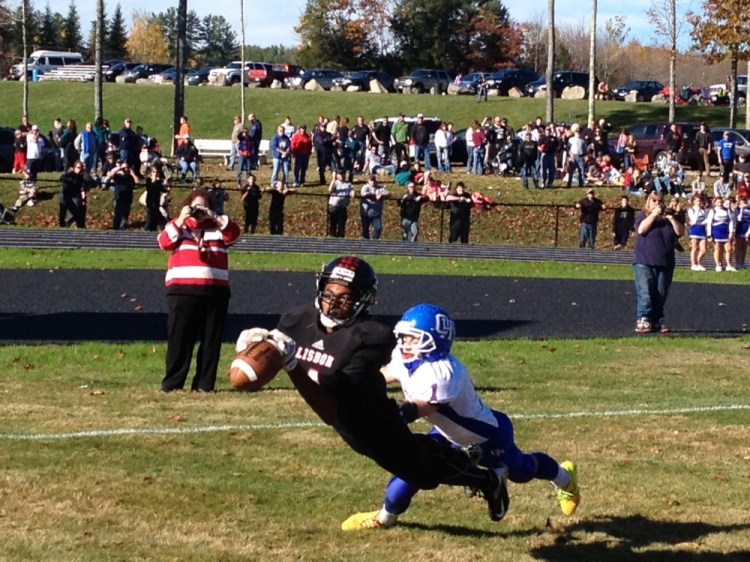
[[374, 223], [549, 170], [529, 168], [423, 151], [281, 165], [587, 233], [192, 166], [300, 168], [409, 230], [477, 158], [575, 164], [651, 289], [246, 165], [469, 159], [233, 155], [443, 159]]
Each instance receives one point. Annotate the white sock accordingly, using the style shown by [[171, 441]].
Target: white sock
[[386, 518], [562, 479]]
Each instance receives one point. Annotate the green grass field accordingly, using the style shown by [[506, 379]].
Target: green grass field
[[99, 466]]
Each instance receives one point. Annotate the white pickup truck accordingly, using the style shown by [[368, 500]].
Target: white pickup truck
[[230, 75]]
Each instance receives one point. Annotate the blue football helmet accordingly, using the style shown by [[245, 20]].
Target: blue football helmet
[[433, 329]]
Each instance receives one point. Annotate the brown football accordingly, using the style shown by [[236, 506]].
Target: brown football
[[255, 366]]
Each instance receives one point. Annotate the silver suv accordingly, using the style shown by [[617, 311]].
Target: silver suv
[[424, 80]]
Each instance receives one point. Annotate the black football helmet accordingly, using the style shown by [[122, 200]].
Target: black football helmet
[[354, 273]]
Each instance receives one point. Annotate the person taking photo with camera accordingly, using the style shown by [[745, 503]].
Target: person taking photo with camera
[[658, 231], [197, 284]]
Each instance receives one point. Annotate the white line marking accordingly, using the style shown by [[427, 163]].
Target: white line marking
[[303, 424]]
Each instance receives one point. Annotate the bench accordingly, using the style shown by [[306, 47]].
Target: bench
[[222, 148]]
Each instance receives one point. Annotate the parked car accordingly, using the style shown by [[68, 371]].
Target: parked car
[[651, 141], [508, 78], [323, 76], [260, 74], [163, 77], [40, 62], [469, 82], [117, 69], [144, 70], [646, 89], [230, 74], [284, 70], [7, 139], [197, 76], [362, 79], [561, 79], [424, 80]]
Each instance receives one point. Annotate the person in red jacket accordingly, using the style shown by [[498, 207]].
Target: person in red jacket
[[197, 284], [301, 149]]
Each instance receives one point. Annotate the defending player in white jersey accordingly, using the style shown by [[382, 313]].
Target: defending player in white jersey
[[437, 387]]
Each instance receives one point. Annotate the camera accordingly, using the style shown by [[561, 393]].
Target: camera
[[198, 212]]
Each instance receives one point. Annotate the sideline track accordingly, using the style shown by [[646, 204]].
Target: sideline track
[[111, 239], [303, 424]]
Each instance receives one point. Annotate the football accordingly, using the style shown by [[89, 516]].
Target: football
[[255, 366]]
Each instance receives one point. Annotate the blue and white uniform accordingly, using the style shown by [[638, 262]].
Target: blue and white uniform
[[462, 419], [697, 218], [743, 221], [720, 223]]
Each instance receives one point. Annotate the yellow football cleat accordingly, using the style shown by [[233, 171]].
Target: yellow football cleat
[[361, 521], [570, 496]]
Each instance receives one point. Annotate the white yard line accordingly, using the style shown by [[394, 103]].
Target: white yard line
[[303, 424]]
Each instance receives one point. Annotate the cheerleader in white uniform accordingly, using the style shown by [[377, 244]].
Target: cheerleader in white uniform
[[697, 216], [742, 233], [720, 228]]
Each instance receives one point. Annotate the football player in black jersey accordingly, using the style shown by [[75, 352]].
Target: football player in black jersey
[[333, 352]]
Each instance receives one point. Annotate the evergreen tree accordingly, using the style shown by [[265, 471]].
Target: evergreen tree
[[50, 29], [216, 42], [72, 40], [116, 37], [168, 22]]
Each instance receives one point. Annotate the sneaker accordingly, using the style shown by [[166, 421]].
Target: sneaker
[[731, 268], [496, 494], [660, 328], [570, 496], [643, 326], [694, 268], [719, 268], [699, 267], [361, 521]]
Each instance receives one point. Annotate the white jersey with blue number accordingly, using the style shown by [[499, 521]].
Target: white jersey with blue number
[[461, 417]]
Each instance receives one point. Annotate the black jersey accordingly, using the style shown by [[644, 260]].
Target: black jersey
[[347, 362]]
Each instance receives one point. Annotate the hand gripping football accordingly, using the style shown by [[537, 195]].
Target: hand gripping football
[[255, 366]]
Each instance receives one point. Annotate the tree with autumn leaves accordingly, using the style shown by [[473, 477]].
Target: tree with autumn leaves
[[722, 31], [458, 34]]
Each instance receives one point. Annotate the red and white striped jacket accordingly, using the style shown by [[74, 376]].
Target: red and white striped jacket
[[199, 257]]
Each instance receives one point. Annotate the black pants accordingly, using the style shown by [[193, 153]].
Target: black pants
[[418, 459], [459, 230], [337, 221], [194, 318], [251, 218], [276, 223]]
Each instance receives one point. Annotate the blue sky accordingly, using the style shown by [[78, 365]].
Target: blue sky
[[272, 22]]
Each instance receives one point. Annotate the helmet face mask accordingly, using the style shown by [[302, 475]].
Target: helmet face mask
[[353, 273], [425, 333]]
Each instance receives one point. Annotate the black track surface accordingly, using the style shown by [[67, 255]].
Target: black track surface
[[129, 305]]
